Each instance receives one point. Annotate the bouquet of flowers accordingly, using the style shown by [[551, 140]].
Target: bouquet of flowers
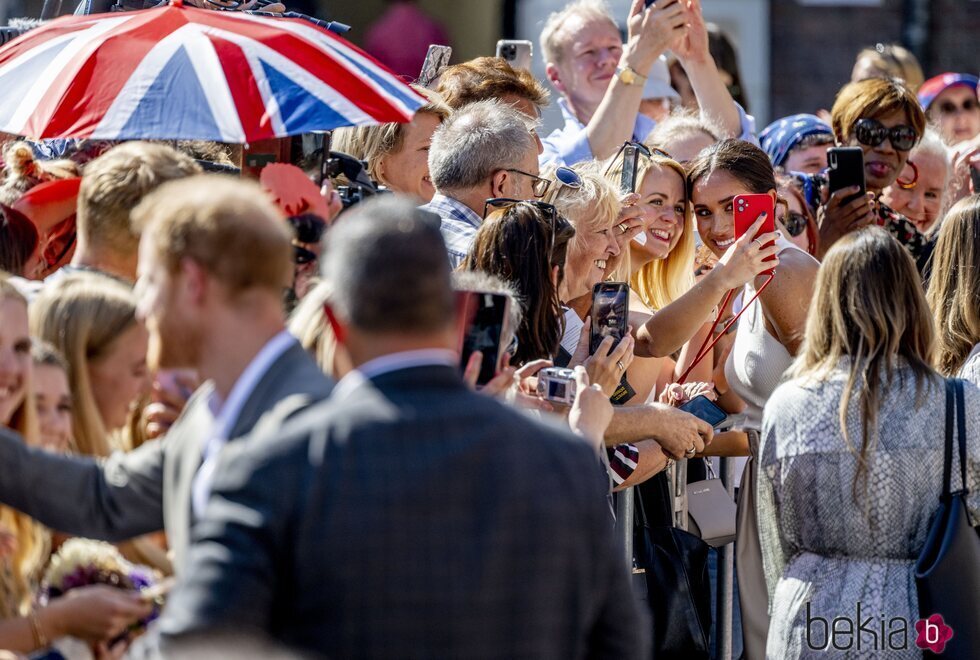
[[83, 562]]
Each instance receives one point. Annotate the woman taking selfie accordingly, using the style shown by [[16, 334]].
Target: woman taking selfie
[[851, 462], [954, 292], [769, 334]]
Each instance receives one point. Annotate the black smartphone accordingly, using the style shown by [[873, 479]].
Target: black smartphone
[[610, 313], [846, 170], [706, 410], [975, 178], [631, 163], [483, 316]]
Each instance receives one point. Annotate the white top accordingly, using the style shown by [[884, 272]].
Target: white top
[[756, 365], [971, 368], [226, 413], [573, 331]]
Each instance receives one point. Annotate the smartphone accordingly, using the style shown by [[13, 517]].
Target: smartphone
[[610, 313], [706, 410], [436, 60], [631, 163], [975, 178], [483, 315], [748, 208], [846, 170], [518, 53]]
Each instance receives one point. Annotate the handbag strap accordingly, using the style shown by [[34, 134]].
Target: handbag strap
[[948, 443], [961, 431]]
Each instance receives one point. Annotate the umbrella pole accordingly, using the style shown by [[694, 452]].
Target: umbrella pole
[[50, 9]]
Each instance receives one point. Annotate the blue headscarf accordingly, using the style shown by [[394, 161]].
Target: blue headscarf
[[781, 136]]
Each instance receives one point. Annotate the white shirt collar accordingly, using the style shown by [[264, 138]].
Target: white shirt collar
[[226, 412], [395, 362]]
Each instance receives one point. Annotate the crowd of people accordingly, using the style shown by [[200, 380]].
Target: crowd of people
[[268, 410]]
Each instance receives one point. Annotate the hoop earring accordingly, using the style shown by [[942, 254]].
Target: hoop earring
[[905, 184]]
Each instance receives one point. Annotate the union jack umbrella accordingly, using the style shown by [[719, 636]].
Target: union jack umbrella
[[179, 72]]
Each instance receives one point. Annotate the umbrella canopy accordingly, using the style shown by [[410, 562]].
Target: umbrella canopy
[[179, 72]]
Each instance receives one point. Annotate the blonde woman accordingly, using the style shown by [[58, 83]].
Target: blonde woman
[[91, 320], [23, 170], [851, 457], [309, 324], [954, 292], [93, 613], [397, 155]]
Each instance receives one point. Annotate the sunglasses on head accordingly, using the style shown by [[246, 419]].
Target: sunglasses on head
[[641, 148], [505, 204], [871, 133]]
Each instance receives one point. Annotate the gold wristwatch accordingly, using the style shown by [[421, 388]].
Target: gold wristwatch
[[629, 76]]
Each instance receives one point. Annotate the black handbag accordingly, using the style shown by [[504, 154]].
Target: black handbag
[[678, 588], [947, 573]]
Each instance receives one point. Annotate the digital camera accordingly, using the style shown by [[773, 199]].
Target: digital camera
[[557, 384]]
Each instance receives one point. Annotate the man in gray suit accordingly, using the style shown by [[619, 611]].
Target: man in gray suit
[[214, 259], [407, 516]]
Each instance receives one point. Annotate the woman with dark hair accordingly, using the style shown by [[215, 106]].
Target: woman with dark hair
[[884, 118], [525, 243], [769, 334], [851, 458]]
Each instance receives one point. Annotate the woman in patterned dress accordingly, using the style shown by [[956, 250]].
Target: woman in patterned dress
[[851, 458]]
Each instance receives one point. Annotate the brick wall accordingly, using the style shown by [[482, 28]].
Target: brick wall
[[813, 48]]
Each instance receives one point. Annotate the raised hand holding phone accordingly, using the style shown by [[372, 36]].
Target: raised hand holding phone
[[748, 209]]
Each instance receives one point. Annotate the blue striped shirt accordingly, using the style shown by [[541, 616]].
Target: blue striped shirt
[[458, 226]]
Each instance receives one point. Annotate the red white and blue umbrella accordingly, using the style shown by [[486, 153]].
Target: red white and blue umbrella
[[184, 73]]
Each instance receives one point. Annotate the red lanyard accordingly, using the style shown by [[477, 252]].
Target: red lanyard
[[705, 346]]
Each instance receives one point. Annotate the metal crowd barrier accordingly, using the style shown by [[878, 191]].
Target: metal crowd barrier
[[724, 584]]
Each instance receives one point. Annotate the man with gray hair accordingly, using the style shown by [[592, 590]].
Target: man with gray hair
[[408, 516], [484, 150]]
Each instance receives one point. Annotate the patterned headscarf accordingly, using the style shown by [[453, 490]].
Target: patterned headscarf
[[783, 135]]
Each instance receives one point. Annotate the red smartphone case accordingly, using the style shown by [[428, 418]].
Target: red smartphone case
[[748, 208]]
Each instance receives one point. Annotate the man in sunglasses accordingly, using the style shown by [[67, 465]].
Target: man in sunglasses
[[601, 81], [483, 151]]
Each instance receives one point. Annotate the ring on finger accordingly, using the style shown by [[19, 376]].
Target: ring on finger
[[623, 228], [758, 242], [619, 363], [691, 451]]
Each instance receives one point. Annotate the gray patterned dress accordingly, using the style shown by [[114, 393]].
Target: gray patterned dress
[[823, 553]]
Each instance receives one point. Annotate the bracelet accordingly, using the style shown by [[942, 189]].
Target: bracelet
[[40, 639]]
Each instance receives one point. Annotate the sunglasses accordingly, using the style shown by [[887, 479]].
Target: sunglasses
[[795, 223], [950, 108], [871, 133], [505, 204], [641, 148], [307, 228], [540, 185]]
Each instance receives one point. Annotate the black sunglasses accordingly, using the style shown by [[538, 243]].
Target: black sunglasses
[[871, 133], [641, 148], [505, 204], [540, 185], [795, 223], [307, 228], [950, 108]]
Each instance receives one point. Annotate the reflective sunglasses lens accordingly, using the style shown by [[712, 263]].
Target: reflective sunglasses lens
[[870, 132], [795, 224], [903, 137], [568, 177]]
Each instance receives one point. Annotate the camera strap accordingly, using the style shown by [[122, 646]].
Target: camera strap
[[705, 345]]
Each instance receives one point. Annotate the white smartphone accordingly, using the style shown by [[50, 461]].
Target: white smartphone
[[518, 53]]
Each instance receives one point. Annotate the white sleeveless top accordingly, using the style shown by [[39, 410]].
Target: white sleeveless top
[[756, 365]]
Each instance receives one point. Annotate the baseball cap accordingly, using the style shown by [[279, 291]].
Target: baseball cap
[[658, 82], [935, 86]]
